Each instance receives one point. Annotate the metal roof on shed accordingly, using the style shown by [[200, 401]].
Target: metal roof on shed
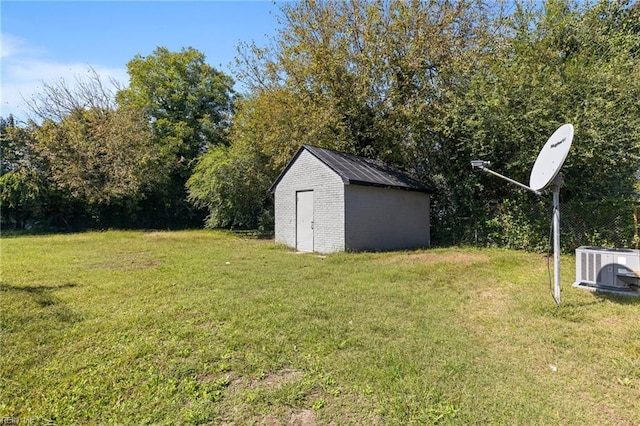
[[356, 170]]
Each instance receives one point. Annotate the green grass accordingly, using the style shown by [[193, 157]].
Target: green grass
[[207, 327]]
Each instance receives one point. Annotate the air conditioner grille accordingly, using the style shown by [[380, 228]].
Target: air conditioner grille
[[601, 268]]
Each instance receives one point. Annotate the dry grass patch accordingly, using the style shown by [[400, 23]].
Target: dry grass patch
[[177, 235], [277, 380], [434, 257], [302, 418], [127, 261], [299, 418], [485, 304]]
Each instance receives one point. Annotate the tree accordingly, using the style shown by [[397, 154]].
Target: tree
[[230, 183], [188, 101], [373, 73], [560, 63], [100, 157], [428, 86], [98, 160], [364, 77], [189, 106], [23, 187], [58, 100]]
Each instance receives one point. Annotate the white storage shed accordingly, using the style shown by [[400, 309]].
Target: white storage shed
[[328, 201]]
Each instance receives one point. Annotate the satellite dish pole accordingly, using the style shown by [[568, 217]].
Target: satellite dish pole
[[557, 184], [546, 172]]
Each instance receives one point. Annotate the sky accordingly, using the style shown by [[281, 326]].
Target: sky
[[53, 40]]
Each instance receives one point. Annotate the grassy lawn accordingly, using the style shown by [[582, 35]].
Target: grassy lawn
[[207, 327]]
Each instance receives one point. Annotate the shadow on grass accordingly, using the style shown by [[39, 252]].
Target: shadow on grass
[[38, 289], [618, 298], [46, 232], [45, 298], [574, 304], [578, 311], [252, 234]]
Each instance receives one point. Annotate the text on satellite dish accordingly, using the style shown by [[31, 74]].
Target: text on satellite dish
[[553, 145]]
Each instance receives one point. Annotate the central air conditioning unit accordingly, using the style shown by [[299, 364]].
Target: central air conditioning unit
[[608, 270]]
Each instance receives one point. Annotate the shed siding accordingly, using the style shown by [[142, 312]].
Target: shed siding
[[385, 219], [309, 173]]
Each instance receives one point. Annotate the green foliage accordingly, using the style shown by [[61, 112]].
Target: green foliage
[[428, 86], [21, 195], [188, 102], [364, 77], [425, 86], [230, 184], [512, 227], [605, 222], [189, 105], [20, 188], [85, 163], [23, 186], [368, 76], [559, 64], [100, 157], [99, 160], [117, 164]]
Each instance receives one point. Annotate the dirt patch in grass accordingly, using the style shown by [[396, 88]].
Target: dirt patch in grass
[[302, 418], [260, 391], [277, 379], [429, 258], [271, 381]]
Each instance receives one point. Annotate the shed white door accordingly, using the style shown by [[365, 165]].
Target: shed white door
[[304, 221]]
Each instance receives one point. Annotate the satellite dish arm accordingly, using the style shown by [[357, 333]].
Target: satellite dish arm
[[482, 165]]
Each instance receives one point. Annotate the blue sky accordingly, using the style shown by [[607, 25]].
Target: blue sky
[[47, 41]]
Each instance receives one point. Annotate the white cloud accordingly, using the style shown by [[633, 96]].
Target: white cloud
[[24, 69], [10, 44]]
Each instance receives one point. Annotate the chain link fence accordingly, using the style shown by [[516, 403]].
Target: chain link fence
[[611, 224], [606, 223]]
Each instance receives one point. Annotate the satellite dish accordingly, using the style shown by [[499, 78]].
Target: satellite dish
[[551, 158], [544, 172]]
